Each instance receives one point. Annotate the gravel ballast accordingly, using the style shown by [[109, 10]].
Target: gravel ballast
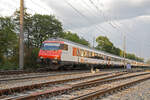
[[141, 91]]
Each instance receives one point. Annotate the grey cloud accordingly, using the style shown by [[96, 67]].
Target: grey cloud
[[122, 9], [127, 9], [71, 16]]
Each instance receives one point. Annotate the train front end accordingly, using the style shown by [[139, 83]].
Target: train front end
[[50, 54]]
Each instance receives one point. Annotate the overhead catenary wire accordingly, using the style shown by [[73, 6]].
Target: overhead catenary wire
[[96, 26], [93, 14], [63, 20], [119, 29], [102, 30], [67, 26], [103, 15], [130, 35], [110, 22]]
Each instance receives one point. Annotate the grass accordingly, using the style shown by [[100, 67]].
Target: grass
[[8, 66]]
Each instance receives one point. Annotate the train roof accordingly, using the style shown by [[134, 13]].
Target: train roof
[[86, 47]]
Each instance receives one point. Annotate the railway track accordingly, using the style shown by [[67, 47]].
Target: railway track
[[51, 84], [100, 93], [31, 82], [16, 72], [39, 70], [103, 88], [96, 88], [11, 72], [38, 75]]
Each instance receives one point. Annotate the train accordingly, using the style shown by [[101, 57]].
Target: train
[[57, 53]]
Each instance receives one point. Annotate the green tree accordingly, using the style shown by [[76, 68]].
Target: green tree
[[106, 45], [38, 28], [134, 57], [148, 61], [44, 27], [130, 56], [27, 27], [75, 38], [8, 38], [116, 51]]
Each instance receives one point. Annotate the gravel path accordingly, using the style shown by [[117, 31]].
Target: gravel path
[[140, 91]]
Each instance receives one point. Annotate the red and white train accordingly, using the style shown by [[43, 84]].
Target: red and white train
[[57, 52]]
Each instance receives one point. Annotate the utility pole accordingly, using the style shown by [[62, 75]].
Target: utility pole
[[124, 52], [93, 41], [141, 49], [21, 36]]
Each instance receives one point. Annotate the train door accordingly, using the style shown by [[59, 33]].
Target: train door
[[66, 52]]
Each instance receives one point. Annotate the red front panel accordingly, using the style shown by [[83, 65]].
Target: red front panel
[[51, 54]]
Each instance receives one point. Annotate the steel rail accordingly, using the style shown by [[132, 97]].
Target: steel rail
[[102, 92], [39, 76], [39, 85], [69, 88], [16, 72]]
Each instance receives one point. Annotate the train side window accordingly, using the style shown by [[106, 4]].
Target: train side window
[[101, 56], [96, 54], [87, 54], [82, 52], [110, 59], [104, 57], [92, 54], [78, 52], [64, 47]]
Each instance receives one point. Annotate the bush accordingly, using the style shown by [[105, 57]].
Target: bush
[[8, 66], [30, 60], [31, 56]]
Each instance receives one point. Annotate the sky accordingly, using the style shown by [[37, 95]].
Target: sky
[[92, 18]]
